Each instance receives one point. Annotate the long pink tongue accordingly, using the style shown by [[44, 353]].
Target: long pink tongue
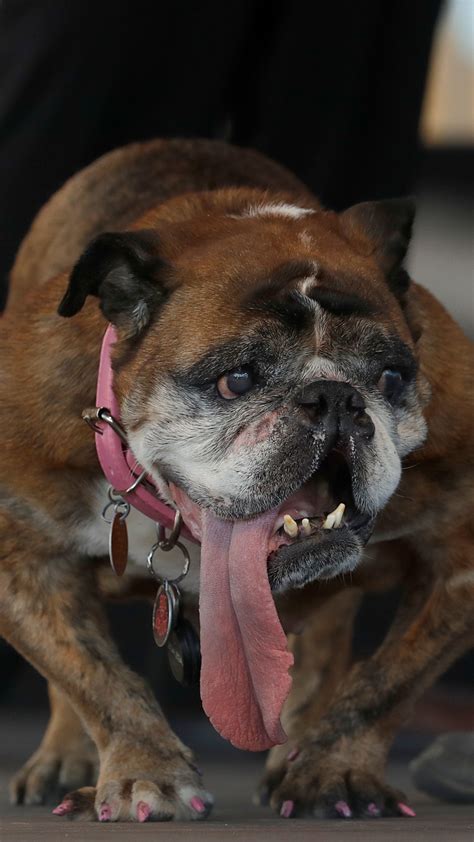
[[245, 660]]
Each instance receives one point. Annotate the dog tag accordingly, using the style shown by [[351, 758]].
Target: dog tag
[[184, 653], [165, 612], [118, 544]]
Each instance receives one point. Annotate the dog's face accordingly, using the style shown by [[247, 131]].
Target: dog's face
[[266, 364]]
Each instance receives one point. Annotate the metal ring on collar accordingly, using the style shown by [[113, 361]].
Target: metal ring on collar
[[165, 543], [187, 562], [121, 507]]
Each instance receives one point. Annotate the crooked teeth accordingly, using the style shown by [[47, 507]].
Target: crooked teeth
[[334, 519], [290, 526], [306, 526]]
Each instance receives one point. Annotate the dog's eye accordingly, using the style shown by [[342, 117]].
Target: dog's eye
[[391, 384], [235, 383]]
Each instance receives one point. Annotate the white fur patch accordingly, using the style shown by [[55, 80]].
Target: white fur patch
[[277, 209], [306, 284], [383, 470], [319, 367], [411, 430], [198, 460]]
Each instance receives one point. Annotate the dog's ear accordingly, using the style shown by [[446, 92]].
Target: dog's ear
[[387, 226], [125, 272]]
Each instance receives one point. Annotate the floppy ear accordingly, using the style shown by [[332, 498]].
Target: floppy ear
[[123, 271], [387, 226]]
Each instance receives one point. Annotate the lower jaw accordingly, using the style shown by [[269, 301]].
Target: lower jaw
[[294, 566]]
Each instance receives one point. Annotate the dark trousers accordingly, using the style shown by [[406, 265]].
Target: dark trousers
[[333, 90]]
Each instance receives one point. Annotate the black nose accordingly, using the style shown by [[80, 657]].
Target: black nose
[[338, 407]]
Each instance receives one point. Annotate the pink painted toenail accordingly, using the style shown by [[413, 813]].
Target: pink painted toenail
[[197, 804], [63, 808], [406, 810], [372, 809], [293, 754], [105, 813], [143, 811], [287, 809], [343, 809]]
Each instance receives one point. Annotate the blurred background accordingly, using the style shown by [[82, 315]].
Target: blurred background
[[442, 253], [442, 258]]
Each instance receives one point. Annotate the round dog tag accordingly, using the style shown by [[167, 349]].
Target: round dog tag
[[184, 653], [118, 544], [165, 612]]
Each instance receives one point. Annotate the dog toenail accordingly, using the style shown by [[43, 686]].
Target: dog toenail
[[63, 808], [197, 804], [287, 809], [372, 809], [342, 807], [105, 813], [293, 754], [406, 810], [143, 811]]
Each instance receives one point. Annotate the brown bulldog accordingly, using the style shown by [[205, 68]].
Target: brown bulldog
[[309, 410]]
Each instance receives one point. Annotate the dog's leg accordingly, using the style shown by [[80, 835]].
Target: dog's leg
[[66, 759], [341, 759], [49, 610], [322, 653]]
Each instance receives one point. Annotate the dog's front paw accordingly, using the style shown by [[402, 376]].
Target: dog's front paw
[[311, 781], [173, 791], [50, 772]]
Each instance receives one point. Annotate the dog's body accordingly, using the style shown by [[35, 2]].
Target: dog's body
[[354, 364]]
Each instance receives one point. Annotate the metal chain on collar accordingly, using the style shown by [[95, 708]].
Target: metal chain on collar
[[119, 505], [166, 544]]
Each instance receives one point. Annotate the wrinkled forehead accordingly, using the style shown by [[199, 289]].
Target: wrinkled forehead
[[296, 274]]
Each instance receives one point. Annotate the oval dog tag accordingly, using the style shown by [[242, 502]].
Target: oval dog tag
[[118, 544], [165, 612]]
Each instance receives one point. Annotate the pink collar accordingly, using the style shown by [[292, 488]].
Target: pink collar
[[117, 461]]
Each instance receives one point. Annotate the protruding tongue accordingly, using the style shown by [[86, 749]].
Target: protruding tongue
[[245, 660]]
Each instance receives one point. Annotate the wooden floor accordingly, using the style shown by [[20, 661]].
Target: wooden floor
[[231, 776], [235, 819]]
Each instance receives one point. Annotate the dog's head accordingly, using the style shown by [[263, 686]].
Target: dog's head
[[265, 363]]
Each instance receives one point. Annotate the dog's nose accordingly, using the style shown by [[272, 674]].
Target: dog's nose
[[338, 406]]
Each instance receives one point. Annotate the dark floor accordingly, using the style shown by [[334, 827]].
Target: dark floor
[[231, 776]]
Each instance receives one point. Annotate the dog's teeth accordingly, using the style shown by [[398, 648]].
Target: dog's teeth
[[339, 514], [306, 526], [330, 521], [290, 526]]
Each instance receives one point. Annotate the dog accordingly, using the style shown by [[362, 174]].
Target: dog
[[308, 409]]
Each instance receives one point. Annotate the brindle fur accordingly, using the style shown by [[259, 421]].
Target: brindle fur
[[341, 720]]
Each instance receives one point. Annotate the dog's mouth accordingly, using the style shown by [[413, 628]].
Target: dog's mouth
[[324, 503], [322, 513], [315, 533]]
